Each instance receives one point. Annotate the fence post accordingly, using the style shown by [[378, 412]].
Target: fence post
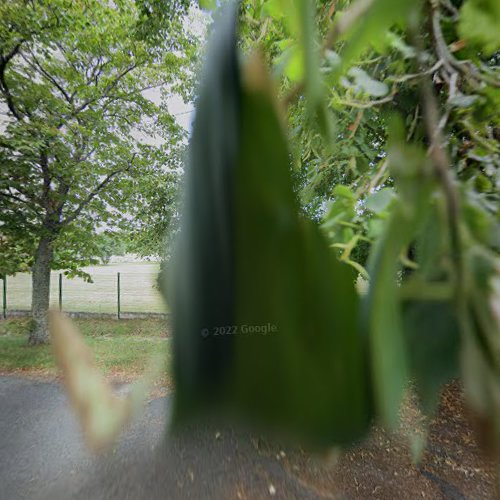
[[118, 290], [60, 291], [4, 303]]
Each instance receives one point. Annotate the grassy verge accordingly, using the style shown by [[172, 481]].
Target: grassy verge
[[121, 349]]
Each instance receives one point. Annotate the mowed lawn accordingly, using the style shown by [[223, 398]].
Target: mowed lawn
[[138, 292], [122, 349]]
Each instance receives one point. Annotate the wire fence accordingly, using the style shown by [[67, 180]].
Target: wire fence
[[121, 290]]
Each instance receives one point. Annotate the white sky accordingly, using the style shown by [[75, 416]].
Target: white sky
[[184, 113], [197, 22]]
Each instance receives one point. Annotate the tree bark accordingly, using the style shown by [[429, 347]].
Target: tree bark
[[40, 297]]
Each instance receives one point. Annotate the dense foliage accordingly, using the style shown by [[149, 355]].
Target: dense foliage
[[391, 115], [395, 132]]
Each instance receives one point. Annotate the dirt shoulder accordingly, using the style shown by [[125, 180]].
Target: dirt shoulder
[[452, 465]]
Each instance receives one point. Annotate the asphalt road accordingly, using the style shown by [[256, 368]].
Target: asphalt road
[[42, 455]]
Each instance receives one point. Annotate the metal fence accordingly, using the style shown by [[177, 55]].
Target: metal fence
[[132, 290]]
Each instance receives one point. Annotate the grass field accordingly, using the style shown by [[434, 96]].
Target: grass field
[[122, 349], [137, 290]]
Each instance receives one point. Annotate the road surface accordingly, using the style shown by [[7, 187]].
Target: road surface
[[42, 455]]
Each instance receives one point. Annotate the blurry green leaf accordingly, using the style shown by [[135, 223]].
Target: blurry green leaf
[[433, 337], [380, 200], [482, 183], [293, 59], [347, 234], [316, 100], [479, 221], [288, 10], [341, 209], [274, 8], [284, 44], [372, 27], [362, 164], [200, 279], [208, 4], [308, 40], [375, 228], [484, 269], [383, 323], [480, 22], [480, 354], [343, 191], [311, 372], [382, 310]]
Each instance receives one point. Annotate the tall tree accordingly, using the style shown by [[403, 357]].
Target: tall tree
[[78, 131]]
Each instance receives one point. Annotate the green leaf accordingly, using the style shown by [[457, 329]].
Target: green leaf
[[316, 100], [383, 322], [344, 192], [481, 386], [372, 27], [308, 40], [433, 336], [274, 8], [379, 201], [375, 228], [293, 60], [200, 278], [482, 183], [341, 209], [311, 377], [480, 24], [479, 221], [208, 4], [382, 309]]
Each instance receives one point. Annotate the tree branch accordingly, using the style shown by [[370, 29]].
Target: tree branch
[[108, 88], [4, 60], [38, 66], [413, 76], [369, 104], [439, 155], [101, 186], [44, 165], [16, 198], [466, 68]]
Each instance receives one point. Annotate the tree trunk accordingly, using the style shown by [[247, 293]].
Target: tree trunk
[[40, 297]]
